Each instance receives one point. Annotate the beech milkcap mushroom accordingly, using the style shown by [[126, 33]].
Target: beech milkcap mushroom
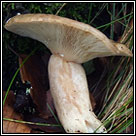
[[71, 43]]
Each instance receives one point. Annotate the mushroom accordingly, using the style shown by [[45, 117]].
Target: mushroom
[[71, 43]]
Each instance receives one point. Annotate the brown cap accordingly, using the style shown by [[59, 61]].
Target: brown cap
[[73, 40]]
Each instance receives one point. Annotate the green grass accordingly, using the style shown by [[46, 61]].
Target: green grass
[[112, 22], [31, 123], [116, 112]]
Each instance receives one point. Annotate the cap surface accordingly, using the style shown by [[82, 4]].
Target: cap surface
[[73, 40]]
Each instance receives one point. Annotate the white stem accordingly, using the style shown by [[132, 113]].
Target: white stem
[[70, 93]]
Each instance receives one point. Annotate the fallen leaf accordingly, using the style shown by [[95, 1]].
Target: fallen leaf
[[35, 70], [8, 112]]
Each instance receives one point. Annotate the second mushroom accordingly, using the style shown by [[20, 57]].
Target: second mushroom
[[71, 44]]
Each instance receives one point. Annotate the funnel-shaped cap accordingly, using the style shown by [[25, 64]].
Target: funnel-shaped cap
[[75, 41]]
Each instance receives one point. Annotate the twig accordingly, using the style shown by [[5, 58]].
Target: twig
[[13, 51], [60, 8]]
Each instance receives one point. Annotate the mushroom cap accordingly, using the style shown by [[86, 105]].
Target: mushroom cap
[[73, 40]]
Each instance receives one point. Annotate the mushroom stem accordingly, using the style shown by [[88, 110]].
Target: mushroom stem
[[70, 94]]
